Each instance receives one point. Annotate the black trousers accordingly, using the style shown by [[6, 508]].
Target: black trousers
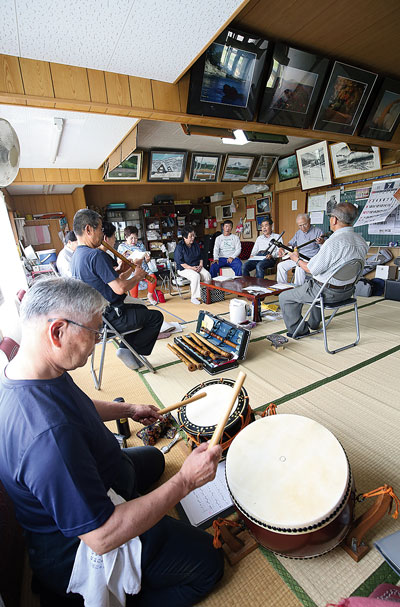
[[135, 316]]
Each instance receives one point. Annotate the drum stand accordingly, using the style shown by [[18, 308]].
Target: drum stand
[[354, 543], [238, 542]]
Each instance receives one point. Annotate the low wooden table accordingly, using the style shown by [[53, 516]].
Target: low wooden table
[[236, 286]]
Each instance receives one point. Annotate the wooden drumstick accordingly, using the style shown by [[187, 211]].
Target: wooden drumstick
[[105, 244], [216, 437], [183, 402], [189, 365], [186, 355], [213, 347]]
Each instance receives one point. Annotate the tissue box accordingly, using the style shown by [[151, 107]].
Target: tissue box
[[385, 272]]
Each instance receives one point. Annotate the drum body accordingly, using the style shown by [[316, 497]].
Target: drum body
[[291, 482], [199, 419]]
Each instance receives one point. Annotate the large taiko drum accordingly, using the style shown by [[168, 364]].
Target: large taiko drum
[[200, 418], [291, 482]]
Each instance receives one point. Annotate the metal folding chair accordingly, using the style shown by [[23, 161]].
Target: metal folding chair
[[348, 272], [176, 282], [111, 334]]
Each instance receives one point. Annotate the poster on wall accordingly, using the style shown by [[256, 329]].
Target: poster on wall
[[383, 200]]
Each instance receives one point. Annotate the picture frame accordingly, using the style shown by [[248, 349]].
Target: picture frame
[[384, 116], [265, 166], [226, 80], [237, 167], [293, 87], [167, 165], [264, 204], [287, 168], [345, 162], [344, 100], [204, 166], [314, 166], [260, 219], [247, 233], [129, 169], [226, 211]]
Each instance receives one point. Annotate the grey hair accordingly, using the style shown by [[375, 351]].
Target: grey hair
[[306, 215], [67, 297], [345, 212], [83, 218]]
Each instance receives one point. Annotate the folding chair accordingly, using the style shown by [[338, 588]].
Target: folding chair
[[176, 282], [111, 334], [348, 272]]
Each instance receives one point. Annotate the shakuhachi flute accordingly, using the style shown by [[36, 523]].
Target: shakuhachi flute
[[183, 402], [213, 346], [105, 244], [187, 362], [197, 348], [216, 437], [186, 355], [225, 341]]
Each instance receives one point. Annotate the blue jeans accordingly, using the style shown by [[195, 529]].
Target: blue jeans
[[259, 266], [179, 563], [235, 264]]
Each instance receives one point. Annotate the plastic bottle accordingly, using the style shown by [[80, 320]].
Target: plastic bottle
[[123, 423]]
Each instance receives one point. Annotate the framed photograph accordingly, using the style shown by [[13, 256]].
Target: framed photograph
[[264, 168], [293, 87], [384, 116], [263, 205], [226, 80], [287, 168], [314, 167], [237, 168], [260, 219], [247, 230], [344, 99], [226, 211], [167, 165], [345, 162], [204, 167], [130, 169]]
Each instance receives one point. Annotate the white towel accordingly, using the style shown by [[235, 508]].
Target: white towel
[[103, 581]]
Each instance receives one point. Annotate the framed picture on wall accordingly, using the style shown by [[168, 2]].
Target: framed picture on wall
[[264, 168], [226, 80], [314, 167], [226, 211], [263, 204], [260, 219], [167, 165], [237, 168], [204, 167], [344, 99], [287, 168], [129, 170], [247, 230], [293, 87], [345, 162], [384, 116]]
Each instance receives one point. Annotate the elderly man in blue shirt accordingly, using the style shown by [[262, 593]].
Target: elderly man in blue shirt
[[305, 233]]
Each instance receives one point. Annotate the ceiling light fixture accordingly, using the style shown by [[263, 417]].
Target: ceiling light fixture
[[240, 138], [58, 127]]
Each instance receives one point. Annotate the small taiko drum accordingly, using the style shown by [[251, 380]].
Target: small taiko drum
[[200, 418], [291, 482]]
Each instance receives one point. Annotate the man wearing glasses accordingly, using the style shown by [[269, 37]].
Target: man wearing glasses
[[59, 463], [95, 267], [305, 233], [344, 245]]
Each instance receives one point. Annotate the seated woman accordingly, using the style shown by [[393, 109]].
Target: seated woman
[[109, 237], [130, 246], [189, 264]]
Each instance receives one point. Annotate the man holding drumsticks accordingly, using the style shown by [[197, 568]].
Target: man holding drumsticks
[[58, 463]]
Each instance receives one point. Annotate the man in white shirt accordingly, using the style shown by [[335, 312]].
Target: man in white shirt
[[261, 246], [65, 255], [344, 245], [305, 233], [227, 249]]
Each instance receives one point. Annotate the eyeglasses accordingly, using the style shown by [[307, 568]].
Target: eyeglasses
[[303, 225], [99, 334]]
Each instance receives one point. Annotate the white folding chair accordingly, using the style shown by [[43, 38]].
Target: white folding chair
[[348, 272], [110, 334]]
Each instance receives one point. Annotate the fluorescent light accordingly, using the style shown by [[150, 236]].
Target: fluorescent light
[[48, 188], [240, 138], [56, 138]]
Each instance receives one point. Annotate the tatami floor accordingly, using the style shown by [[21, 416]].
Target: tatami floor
[[353, 393]]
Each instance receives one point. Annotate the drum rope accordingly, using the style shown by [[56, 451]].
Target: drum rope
[[270, 410], [385, 489], [245, 422], [217, 524]]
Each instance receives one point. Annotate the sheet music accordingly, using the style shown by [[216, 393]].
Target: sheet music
[[208, 501]]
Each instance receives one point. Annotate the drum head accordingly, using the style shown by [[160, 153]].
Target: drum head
[[204, 414], [287, 473]]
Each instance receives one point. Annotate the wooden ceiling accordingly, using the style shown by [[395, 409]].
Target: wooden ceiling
[[364, 33]]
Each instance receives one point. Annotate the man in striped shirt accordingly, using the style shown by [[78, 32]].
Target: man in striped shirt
[[344, 245]]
